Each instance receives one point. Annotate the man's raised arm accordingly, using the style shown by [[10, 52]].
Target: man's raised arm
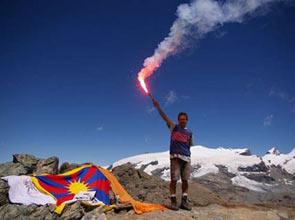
[[163, 115]]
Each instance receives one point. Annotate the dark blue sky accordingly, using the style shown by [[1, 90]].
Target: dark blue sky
[[68, 80]]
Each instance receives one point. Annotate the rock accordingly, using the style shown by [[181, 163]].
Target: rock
[[261, 178], [44, 213], [3, 192], [28, 161], [10, 168], [16, 212], [214, 212], [101, 216], [140, 185], [272, 215], [95, 214], [65, 167], [31, 212], [255, 168], [247, 152], [72, 211], [153, 163], [146, 188], [49, 166], [159, 172], [283, 215], [274, 151]]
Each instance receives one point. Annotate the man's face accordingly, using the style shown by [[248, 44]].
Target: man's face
[[182, 121]]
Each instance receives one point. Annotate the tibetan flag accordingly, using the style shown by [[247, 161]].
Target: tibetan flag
[[75, 185]]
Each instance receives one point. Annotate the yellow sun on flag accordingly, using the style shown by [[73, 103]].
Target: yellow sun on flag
[[76, 187]]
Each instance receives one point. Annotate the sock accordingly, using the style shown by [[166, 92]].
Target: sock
[[184, 194], [173, 195]]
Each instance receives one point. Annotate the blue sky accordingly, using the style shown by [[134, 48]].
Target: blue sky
[[68, 83]]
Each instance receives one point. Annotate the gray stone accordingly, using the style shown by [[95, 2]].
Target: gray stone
[[28, 161], [255, 168], [10, 168], [22, 212], [144, 187], [44, 213], [65, 167], [94, 217], [3, 192], [95, 214], [73, 211], [159, 172], [283, 215], [153, 163], [247, 152], [49, 166], [261, 178], [16, 212]]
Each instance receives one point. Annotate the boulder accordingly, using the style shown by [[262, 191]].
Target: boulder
[[10, 168], [49, 166], [142, 186], [65, 167], [146, 188], [44, 213], [13, 211], [95, 214], [28, 161], [73, 211], [31, 212], [3, 192]]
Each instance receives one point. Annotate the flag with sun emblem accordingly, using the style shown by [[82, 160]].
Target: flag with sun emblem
[[86, 183]]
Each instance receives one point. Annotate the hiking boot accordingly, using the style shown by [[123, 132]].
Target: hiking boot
[[184, 205], [174, 203]]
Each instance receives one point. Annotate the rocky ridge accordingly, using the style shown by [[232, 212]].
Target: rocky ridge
[[234, 174], [206, 204]]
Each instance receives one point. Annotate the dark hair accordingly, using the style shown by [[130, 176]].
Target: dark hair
[[182, 113]]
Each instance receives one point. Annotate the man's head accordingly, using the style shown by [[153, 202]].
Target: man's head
[[182, 119]]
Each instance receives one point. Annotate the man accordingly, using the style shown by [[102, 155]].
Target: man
[[181, 140]]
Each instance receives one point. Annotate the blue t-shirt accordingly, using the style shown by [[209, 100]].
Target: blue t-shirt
[[181, 140]]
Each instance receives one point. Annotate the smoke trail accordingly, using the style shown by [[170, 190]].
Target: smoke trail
[[195, 20]]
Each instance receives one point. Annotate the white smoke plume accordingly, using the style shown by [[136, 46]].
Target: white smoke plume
[[196, 19]]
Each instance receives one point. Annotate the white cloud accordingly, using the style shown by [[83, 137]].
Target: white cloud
[[170, 98], [282, 95], [268, 120], [99, 128]]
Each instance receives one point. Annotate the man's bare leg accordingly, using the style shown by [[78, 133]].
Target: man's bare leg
[[184, 187], [173, 187], [172, 195]]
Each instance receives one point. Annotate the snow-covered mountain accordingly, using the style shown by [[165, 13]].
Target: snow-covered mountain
[[236, 167]]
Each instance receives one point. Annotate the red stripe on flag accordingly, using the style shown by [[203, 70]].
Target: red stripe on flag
[[90, 172], [101, 185], [64, 199], [58, 179], [53, 189]]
